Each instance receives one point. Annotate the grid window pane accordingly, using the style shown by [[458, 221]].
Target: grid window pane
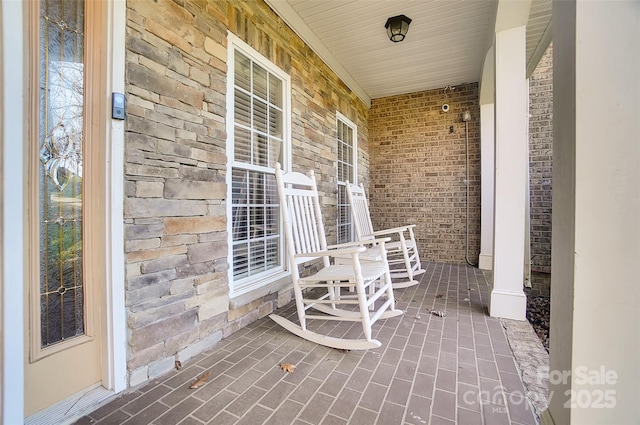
[[344, 219], [242, 75], [259, 115], [272, 253], [345, 170], [258, 144], [242, 108], [275, 122], [259, 81], [275, 91], [275, 151], [240, 260], [242, 149]]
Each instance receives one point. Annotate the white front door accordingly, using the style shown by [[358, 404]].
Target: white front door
[[65, 248]]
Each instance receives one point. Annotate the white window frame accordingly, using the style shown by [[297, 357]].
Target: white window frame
[[251, 283], [340, 118]]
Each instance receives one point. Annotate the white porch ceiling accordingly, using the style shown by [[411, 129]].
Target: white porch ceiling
[[445, 45]]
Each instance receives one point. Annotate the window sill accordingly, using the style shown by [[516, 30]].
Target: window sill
[[282, 282]]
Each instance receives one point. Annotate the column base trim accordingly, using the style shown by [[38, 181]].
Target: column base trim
[[508, 305], [485, 262], [546, 418]]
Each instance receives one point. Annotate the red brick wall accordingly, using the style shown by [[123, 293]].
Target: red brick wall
[[540, 159], [418, 169]]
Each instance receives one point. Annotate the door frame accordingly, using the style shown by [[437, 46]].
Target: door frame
[[13, 68]]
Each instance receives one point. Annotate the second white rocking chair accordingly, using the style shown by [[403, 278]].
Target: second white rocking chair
[[402, 251], [368, 293]]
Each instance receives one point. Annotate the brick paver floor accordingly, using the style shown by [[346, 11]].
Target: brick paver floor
[[456, 369]]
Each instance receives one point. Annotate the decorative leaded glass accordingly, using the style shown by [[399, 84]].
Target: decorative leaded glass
[[60, 172]]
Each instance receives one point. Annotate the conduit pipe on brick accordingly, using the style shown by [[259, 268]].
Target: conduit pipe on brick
[[466, 117]]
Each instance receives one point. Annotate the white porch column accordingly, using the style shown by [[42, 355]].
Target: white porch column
[[595, 307], [487, 157], [507, 297], [487, 145]]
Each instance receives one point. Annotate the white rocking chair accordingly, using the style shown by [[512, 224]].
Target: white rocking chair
[[370, 280], [402, 251]]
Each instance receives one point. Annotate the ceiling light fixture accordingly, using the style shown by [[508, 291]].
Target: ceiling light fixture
[[397, 27]]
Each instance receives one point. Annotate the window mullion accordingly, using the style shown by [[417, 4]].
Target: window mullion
[[261, 126]]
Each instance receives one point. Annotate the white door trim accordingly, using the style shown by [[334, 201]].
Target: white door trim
[[12, 168], [114, 375]]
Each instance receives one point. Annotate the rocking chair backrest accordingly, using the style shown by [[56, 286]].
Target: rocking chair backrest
[[302, 217], [360, 212]]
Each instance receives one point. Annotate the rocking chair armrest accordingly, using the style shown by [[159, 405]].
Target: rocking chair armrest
[[393, 230], [333, 252], [359, 243]]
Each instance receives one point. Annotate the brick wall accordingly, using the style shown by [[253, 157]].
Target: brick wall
[[540, 160], [418, 169], [177, 283]]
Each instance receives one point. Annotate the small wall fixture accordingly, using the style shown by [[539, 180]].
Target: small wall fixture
[[397, 27]]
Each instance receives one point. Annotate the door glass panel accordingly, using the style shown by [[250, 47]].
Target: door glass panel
[[60, 173]]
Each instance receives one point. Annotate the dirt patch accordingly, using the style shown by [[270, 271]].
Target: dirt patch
[[538, 310]]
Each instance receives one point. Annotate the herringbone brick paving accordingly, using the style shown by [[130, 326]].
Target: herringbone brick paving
[[457, 369]]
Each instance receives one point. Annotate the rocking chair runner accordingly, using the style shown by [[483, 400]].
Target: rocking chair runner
[[304, 233], [402, 251]]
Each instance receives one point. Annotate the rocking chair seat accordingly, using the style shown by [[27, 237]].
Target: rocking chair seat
[[344, 273], [402, 252], [363, 272]]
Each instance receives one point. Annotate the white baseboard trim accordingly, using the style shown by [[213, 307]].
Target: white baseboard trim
[[68, 411], [508, 304], [485, 262]]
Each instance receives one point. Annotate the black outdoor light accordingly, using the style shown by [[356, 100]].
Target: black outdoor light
[[397, 27]]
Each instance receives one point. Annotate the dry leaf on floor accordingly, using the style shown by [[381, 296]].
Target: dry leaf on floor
[[201, 380], [178, 365], [438, 313], [439, 296], [287, 367]]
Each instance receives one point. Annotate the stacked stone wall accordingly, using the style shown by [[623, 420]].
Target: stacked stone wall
[[176, 241]]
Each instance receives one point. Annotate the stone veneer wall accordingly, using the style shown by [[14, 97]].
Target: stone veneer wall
[[540, 161], [418, 169], [177, 283]]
